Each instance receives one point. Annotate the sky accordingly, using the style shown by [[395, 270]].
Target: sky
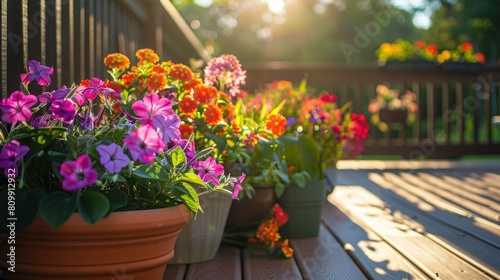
[[421, 19]]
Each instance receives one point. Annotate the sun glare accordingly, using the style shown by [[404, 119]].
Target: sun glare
[[276, 6]]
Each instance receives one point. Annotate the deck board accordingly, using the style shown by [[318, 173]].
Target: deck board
[[387, 220], [324, 258], [395, 230]]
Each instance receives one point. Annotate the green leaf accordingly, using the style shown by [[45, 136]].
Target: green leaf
[[153, 171], [26, 207], [192, 178], [178, 156], [279, 188], [189, 197], [219, 141], [278, 108], [37, 138], [57, 207], [117, 199], [92, 206]]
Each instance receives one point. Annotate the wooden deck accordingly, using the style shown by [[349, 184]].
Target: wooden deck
[[387, 220]]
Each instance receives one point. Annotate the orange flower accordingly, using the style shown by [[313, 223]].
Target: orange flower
[[276, 123], [191, 84], [117, 60], [212, 115], [286, 249], [128, 79], [181, 72], [113, 85], [186, 130], [147, 56], [235, 127], [204, 94], [157, 82], [158, 69], [188, 105]]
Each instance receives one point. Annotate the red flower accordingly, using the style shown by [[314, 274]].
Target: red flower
[[204, 94], [328, 98], [466, 46], [181, 72], [186, 130], [280, 215], [419, 44], [480, 57], [188, 105], [212, 115], [432, 49]]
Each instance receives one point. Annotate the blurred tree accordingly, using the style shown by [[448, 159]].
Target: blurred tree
[[338, 31], [457, 21]]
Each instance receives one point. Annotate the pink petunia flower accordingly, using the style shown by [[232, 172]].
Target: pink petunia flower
[[209, 170], [94, 88], [17, 107], [12, 152], [112, 157], [152, 105], [63, 109], [168, 127], [37, 72], [78, 174], [143, 144], [237, 185]]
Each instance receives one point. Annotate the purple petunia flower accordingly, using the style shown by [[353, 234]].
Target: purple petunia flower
[[63, 109], [226, 70], [78, 174], [37, 72], [12, 152], [50, 97], [168, 127], [144, 143], [41, 121], [209, 170], [152, 105], [17, 107], [112, 157], [237, 185]]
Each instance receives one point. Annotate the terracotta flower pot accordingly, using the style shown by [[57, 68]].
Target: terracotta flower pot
[[200, 239], [136, 244]]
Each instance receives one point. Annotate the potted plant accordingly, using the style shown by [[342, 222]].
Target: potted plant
[[389, 107], [461, 59], [319, 134], [101, 179], [403, 55]]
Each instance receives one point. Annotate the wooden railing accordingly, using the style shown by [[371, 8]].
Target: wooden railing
[[74, 36], [455, 108]]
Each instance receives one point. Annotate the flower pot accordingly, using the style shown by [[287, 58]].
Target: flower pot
[[418, 65], [200, 239], [463, 67], [247, 211], [132, 244], [393, 116], [304, 207]]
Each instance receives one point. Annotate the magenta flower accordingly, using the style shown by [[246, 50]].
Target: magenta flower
[[37, 72], [112, 157], [167, 126], [63, 109], [12, 152], [152, 105], [17, 107], [41, 121], [209, 170], [144, 143], [78, 174], [237, 185], [94, 88], [50, 97]]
